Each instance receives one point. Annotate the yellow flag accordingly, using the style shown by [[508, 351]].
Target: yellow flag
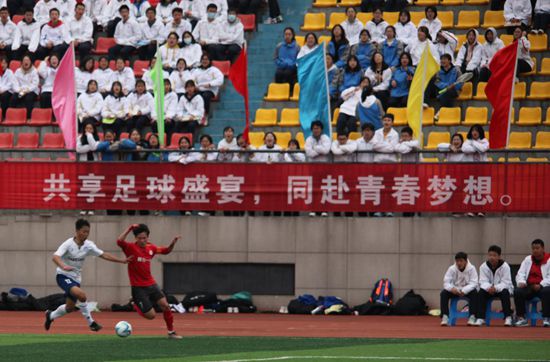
[[427, 67]]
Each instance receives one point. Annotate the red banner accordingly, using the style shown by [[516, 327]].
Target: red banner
[[277, 187]]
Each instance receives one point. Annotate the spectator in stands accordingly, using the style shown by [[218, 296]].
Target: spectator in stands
[[8, 33], [178, 24], [7, 83], [245, 154], [30, 31], [170, 110], [517, 13], [318, 144], [379, 74], [227, 143], [127, 35], [192, 10], [541, 17], [231, 37], [492, 45], [54, 37], [139, 10], [94, 10], [180, 76], [470, 54], [190, 110], [111, 15], [366, 143], [89, 105], [183, 155], [83, 74], [86, 144], [377, 27], [124, 75], [208, 32], [108, 147], [347, 119], [533, 280], [352, 27], [170, 52], [207, 144], [311, 43], [164, 10], [391, 48], [103, 75], [446, 43], [401, 82], [385, 140], [147, 75], [445, 79], [370, 109], [294, 145], [190, 50], [349, 77], [364, 49], [431, 21], [140, 105], [343, 148], [495, 281], [25, 86], [453, 150], [81, 30], [42, 10], [135, 142], [460, 281], [154, 144], [208, 79], [417, 48], [114, 111], [47, 71], [270, 144], [338, 46], [221, 9], [153, 35], [405, 30], [407, 146], [275, 16], [525, 63], [476, 145]]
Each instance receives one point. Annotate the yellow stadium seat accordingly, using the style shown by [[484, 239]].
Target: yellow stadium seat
[[449, 116], [545, 67], [283, 138], [324, 3], [537, 159], [480, 92], [507, 39], [460, 39], [475, 115], [295, 93], [335, 19], [435, 138], [324, 39], [520, 90], [301, 140], [256, 138], [493, 18], [344, 3], [451, 2], [467, 92], [335, 115], [468, 19], [277, 92], [300, 40], [539, 43], [547, 121], [510, 159], [314, 21], [428, 116], [539, 91], [533, 71], [447, 19], [400, 116], [542, 141], [354, 135], [476, 2], [426, 3], [519, 140], [265, 117], [529, 116], [429, 159], [391, 17], [416, 16], [290, 117], [364, 17]]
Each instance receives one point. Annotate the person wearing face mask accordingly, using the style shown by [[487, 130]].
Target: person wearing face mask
[[190, 50], [207, 32], [231, 37], [153, 34], [221, 9]]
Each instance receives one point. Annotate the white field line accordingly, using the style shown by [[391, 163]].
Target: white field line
[[283, 358]]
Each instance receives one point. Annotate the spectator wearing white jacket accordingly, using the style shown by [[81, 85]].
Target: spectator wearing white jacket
[[170, 52], [227, 143], [317, 145], [453, 150], [310, 44], [139, 10], [446, 43], [460, 281], [343, 149], [190, 50], [231, 37], [124, 75], [147, 76], [209, 79], [153, 35], [178, 24], [492, 45], [183, 156], [164, 10], [431, 21], [54, 37], [517, 13], [8, 33], [408, 147], [542, 16], [83, 74], [180, 76], [405, 30], [110, 16], [207, 32], [89, 105], [495, 281], [376, 27], [476, 145], [42, 10], [7, 80], [294, 145], [86, 143], [533, 280], [347, 117], [127, 35], [379, 74], [170, 110], [47, 71], [29, 29], [140, 105], [192, 10], [270, 144], [95, 8], [221, 8], [385, 140], [25, 86], [103, 76], [81, 31], [366, 143], [207, 144], [525, 63], [416, 48], [470, 54], [190, 110], [115, 110], [352, 26]]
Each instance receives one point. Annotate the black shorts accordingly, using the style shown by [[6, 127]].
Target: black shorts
[[146, 297]]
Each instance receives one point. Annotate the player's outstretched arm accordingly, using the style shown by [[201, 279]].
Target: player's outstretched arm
[[57, 261], [170, 247], [114, 259], [122, 237]]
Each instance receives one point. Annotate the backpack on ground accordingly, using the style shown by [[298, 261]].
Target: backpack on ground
[[196, 299], [304, 304], [410, 304], [382, 293]]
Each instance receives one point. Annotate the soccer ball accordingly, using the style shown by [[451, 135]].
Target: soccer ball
[[123, 329]]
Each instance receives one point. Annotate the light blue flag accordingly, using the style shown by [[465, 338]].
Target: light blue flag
[[314, 95]]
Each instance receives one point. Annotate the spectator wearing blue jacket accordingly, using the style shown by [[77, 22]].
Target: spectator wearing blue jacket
[[134, 143], [339, 46], [391, 48], [108, 147], [364, 49], [285, 58], [401, 82], [446, 77], [350, 76]]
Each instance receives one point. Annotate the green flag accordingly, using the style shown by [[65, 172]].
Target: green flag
[[158, 90]]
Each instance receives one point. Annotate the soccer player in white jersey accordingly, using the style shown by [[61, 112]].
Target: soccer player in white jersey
[[69, 259]]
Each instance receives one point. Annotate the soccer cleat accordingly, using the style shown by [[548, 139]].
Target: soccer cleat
[[546, 322], [479, 322], [444, 320], [472, 320], [174, 335], [521, 322], [508, 321], [95, 327], [49, 320]]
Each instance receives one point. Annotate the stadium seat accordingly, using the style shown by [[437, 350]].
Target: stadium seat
[[533, 71], [476, 2], [467, 92], [283, 138], [314, 21], [510, 159], [15, 117], [290, 117], [256, 138], [14, 65], [425, 3], [547, 121], [428, 116], [416, 16], [449, 116], [480, 92], [529, 116], [520, 90], [429, 160], [435, 138], [447, 19], [223, 66], [27, 140], [344, 3], [324, 39], [391, 17], [300, 40], [174, 140], [519, 140], [335, 115], [354, 135], [493, 18], [301, 140], [141, 65], [542, 141], [468, 19], [103, 45], [545, 67], [507, 39], [460, 39], [539, 91], [6, 140], [335, 19], [277, 92], [536, 159], [400, 116], [248, 21], [295, 93], [539, 43], [475, 115], [324, 3], [41, 117], [365, 17], [147, 136], [126, 135], [53, 140], [265, 117], [451, 2]]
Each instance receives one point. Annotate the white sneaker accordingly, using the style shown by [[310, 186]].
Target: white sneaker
[[479, 322], [324, 214], [91, 213], [472, 320], [508, 322], [312, 214], [83, 212], [546, 322], [188, 213], [202, 213], [444, 320], [521, 322], [389, 214]]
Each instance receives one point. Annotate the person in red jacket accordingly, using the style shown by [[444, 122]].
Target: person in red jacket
[[145, 291]]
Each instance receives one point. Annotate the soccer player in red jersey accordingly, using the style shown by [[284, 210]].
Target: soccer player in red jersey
[[145, 291]]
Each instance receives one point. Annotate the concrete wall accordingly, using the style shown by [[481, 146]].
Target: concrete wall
[[333, 256]]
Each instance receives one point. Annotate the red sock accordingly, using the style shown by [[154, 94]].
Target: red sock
[[136, 308], [169, 319]]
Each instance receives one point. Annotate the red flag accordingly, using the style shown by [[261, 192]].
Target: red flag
[[500, 92], [238, 74]]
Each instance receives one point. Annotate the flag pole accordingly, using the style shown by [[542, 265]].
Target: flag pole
[[512, 97], [75, 96], [324, 44]]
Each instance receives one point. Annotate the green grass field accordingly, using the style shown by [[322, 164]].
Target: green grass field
[[28, 347]]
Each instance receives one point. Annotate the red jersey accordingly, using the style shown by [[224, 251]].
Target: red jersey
[[139, 269]]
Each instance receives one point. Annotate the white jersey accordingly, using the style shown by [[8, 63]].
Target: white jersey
[[74, 256]]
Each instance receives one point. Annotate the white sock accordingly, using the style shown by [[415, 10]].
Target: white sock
[[59, 312], [86, 312]]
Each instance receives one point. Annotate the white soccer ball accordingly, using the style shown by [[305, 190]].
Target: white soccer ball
[[123, 329]]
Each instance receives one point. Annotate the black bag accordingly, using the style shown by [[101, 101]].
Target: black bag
[[369, 308], [50, 302], [410, 304], [295, 306], [196, 299], [22, 304], [122, 307]]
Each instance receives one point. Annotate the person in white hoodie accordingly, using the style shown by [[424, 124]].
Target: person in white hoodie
[[110, 16], [405, 30], [81, 30], [140, 105], [385, 140], [231, 37], [47, 71], [25, 86], [190, 50], [83, 74], [416, 48], [164, 10], [89, 105], [209, 79], [366, 143], [297, 156], [8, 33], [376, 27], [453, 150], [183, 155], [431, 21], [7, 80], [29, 29], [207, 32], [318, 144], [460, 281], [180, 76], [87, 142], [352, 26], [115, 110], [525, 63], [408, 147], [541, 18], [177, 24], [492, 45], [153, 35], [343, 149], [379, 74], [170, 52], [54, 37], [42, 10], [310, 44], [517, 13], [207, 144], [470, 54], [347, 117], [190, 110], [495, 281], [476, 145], [103, 76], [139, 10], [533, 280], [124, 75], [170, 110], [127, 35], [227, 143], [270, 144], [446, 43]]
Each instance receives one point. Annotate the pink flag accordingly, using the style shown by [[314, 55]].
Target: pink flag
[[64, 98]]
